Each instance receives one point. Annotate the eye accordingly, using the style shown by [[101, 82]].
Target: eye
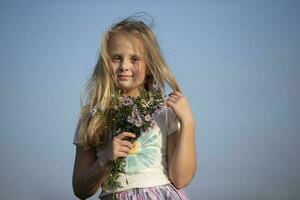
[[116, 58], [135, 59]]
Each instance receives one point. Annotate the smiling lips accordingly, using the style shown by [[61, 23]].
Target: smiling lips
[[123, 77]]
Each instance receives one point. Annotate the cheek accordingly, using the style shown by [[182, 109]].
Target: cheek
[[113, 67], [139, 72]]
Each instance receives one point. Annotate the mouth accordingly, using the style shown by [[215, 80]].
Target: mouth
[[123, 77]]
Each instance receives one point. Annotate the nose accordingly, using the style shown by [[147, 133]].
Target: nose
[[125, 65]]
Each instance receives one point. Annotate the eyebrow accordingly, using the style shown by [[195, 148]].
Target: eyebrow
[[118, 54]]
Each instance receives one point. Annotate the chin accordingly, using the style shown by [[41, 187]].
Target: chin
[[122, 87]]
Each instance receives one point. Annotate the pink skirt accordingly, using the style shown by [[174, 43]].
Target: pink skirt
[[162, 192]]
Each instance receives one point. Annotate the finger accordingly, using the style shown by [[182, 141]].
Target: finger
[[176, 96], [126, 134], [126, 143], [176, 93], [120, 152], [124, 149], [170, 103], [172, 99]]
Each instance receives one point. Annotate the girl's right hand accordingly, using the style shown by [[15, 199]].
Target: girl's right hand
[[119, 147]]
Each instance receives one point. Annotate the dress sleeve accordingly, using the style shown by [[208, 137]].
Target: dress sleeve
[[173, 123], [76, 135]]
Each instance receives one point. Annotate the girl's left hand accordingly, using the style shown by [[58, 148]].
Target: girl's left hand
[[179, 104]]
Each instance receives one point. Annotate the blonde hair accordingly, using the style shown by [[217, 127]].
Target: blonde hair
[[93, 131]]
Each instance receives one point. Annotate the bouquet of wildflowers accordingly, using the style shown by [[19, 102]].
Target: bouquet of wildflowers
[[130, 114]]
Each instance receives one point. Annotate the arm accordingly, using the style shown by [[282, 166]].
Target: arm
[[88, 173], [182, 156], [182, 162]]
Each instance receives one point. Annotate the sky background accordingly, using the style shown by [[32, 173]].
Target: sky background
[[238, 63]]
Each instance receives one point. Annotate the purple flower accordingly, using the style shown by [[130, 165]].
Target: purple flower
[[139, 118], [137, 123], [130, 119], [127, 101], [148, 118], [135, 111]]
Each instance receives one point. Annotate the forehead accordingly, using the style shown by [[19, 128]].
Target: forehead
[[121, 43]]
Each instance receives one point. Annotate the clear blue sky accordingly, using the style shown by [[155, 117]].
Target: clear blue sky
[[237, 61]]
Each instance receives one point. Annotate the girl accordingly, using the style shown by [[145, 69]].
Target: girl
[[165, 160]]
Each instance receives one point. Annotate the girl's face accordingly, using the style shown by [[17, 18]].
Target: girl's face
[[127, 64]]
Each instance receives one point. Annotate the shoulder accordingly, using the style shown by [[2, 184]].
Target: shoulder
[[166, 119], [161, 115], [165, 113]]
